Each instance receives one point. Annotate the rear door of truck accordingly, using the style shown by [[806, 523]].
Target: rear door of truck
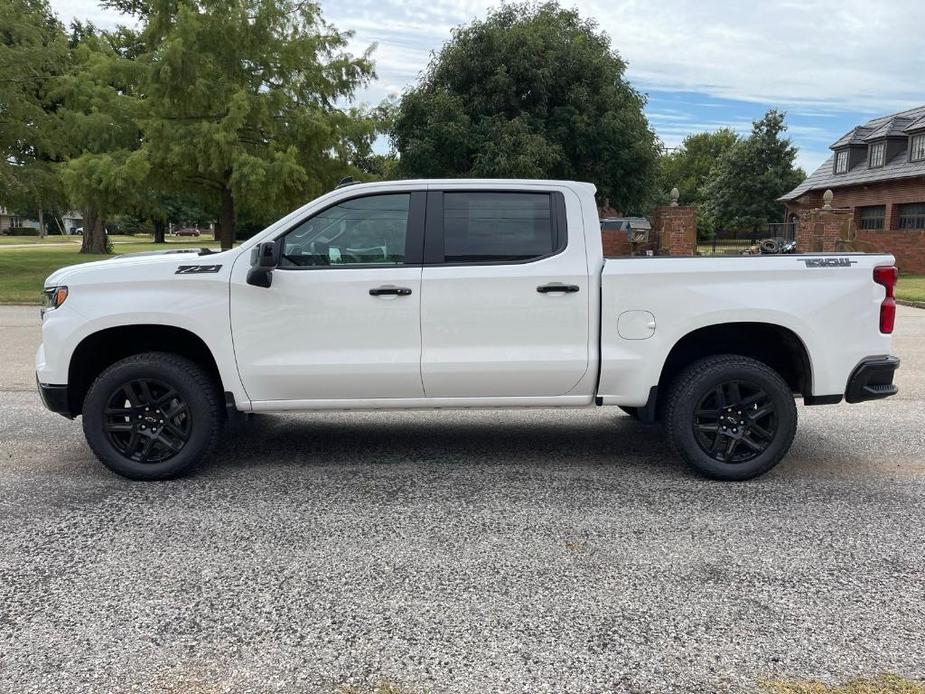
[[505, 292]]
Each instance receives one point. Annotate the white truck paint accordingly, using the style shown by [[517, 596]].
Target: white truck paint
[[470, 334]]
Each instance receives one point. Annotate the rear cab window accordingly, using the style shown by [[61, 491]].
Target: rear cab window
[[494, 227]]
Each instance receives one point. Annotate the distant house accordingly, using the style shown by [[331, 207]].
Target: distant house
[[12, 223], [877, 170]]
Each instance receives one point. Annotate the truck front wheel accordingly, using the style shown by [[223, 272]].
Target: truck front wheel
[[731, 417], [152, 416]]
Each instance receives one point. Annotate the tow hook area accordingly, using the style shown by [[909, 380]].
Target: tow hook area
[[872, 380]]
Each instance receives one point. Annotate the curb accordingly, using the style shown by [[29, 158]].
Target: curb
[[913, 304]]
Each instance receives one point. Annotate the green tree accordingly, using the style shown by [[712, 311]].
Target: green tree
[[243, 102], [104, 171], [33, 52], [744, 186], [689, 166], [530, 91]]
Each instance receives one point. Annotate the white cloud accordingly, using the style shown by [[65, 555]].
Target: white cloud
[[816, 58], [824, 54]]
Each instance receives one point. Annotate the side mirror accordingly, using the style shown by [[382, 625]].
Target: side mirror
[[264, 259]]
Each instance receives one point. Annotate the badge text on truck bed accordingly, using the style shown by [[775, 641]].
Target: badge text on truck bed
[[828, 262]]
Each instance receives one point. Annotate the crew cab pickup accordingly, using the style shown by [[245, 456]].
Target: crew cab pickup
[[459, 294]]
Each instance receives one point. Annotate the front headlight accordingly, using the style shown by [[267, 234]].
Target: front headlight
[[52, 298]]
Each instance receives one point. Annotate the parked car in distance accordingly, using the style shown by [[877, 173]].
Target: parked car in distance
[[460, 294], [186, 231], [79, 231]]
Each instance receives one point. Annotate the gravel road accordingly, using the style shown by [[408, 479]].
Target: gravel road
[[532, 551]]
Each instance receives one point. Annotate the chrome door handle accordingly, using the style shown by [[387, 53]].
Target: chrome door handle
[[557, 287], [388, 290]]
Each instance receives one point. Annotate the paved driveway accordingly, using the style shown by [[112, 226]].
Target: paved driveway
[[460, 552]]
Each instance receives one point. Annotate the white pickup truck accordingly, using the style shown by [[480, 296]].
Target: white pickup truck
[[459, 294]]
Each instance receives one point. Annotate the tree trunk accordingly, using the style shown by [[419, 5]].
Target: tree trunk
[[226, 228], [42, 233], [94, 239], [159, 227]]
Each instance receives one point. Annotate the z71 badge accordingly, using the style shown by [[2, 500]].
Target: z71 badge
[[197, 269], [828, 262]]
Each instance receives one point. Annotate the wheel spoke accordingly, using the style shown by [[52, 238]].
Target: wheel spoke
[[730, 449], [754, 445], [117, 426], [178, 410], [761, 413], [174, 446], [166, 397], [720, 396], [760, 431], [131, 395], [175, 430], [146, 450], [735, 396], [132, 444], [707, 427], [146, 397]]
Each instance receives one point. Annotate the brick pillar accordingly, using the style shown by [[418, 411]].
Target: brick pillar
[[677, 229], [824, 231]]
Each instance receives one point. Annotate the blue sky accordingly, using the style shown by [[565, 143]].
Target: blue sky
[[704, 64]]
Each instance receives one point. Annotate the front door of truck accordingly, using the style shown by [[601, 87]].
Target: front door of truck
[[505, 296], [341, 319]]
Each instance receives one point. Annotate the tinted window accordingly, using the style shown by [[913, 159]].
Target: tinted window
[[362, 231], [492, 227]]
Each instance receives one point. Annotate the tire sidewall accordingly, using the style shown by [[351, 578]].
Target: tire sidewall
[[199, 406], [692, 392]]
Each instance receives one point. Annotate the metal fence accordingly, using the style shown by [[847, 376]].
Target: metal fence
[[737, 242]]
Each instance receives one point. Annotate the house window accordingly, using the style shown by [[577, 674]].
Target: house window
[[912, 216], [917, 148], [15, 222], [877, 154], [841, 161], [871, 218]]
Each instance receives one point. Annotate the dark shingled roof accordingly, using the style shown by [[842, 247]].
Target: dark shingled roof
[[895, 125]]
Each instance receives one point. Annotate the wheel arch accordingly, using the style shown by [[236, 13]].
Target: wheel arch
[[100, 349], [775, 345]]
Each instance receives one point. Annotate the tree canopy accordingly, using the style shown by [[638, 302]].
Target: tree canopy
[[688, 168], [33, 53], [242, 101], [530, 91], [748, 179]]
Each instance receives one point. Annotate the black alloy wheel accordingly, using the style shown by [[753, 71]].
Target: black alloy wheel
[[153, 416], [735, 422], [730, 417], [147, 421]]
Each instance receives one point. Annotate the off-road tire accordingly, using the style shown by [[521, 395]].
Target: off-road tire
[[197, 403], [708, 382]]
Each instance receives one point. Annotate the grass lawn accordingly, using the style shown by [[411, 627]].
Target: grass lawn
[[884, 684], [23, 270], [24, 240], [911, 288]]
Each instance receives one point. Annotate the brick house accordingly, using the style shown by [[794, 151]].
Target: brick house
[[878, 172]]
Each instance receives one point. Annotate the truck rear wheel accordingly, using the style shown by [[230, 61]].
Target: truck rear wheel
[[731, 417], [152, 416]]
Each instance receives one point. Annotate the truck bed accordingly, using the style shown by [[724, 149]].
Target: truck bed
[[829, 300]]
